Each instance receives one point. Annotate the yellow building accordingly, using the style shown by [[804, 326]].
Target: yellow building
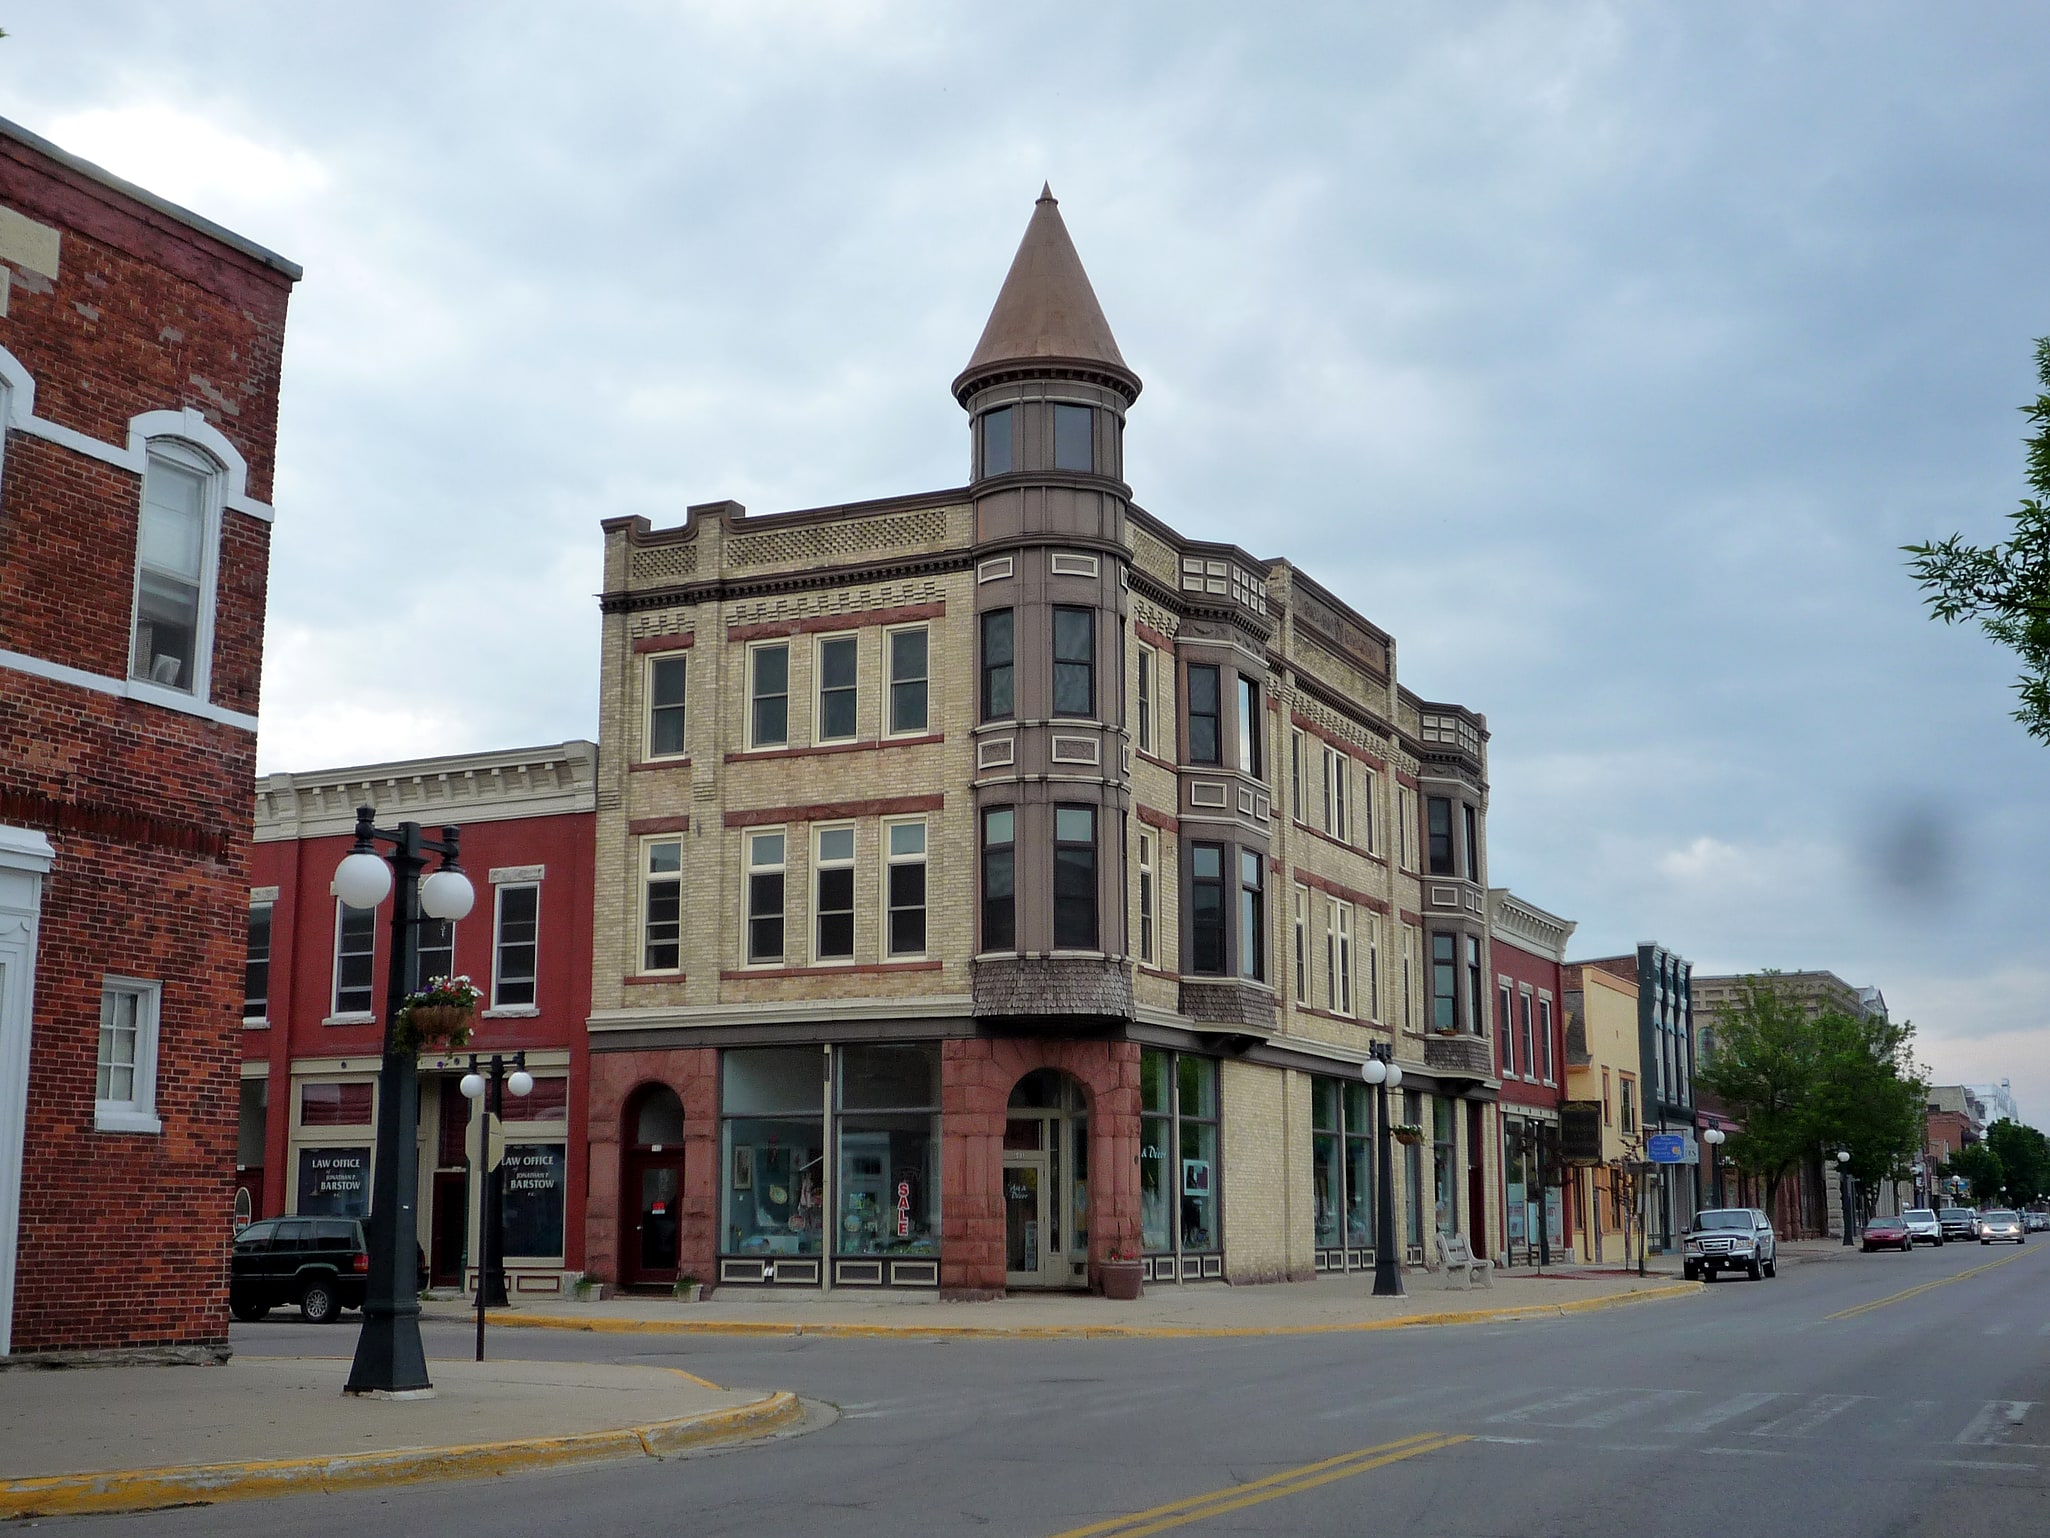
[[1602, 1065]]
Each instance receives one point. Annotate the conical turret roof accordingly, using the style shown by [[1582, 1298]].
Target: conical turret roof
[[1046, 310]]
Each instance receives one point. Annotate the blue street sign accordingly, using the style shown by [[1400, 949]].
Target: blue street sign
[[1666, 1148]]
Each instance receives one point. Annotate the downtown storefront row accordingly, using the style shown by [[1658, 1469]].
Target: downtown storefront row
[[980, 1164]]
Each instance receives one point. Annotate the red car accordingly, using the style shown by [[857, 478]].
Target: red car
[[1887, 1234]]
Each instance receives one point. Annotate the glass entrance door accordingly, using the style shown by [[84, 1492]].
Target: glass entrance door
[[1025, 1228]]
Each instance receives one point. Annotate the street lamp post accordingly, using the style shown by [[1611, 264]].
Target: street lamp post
[[390, 1362], [1849, 1187], [1384, 1073], [1714, 1137], [498, 1077]]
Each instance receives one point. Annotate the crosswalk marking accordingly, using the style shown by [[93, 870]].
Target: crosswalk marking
[[1635, 1402], [1716, 1414], [1995, 1422], [1564, 1401], [1804, 1421]]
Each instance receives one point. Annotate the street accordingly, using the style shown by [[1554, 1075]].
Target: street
[[1854, 1395]]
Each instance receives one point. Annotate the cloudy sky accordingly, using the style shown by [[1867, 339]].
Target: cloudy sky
[[1604, 353]]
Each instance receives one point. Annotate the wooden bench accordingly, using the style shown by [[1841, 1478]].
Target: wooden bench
[[1458, 1260]]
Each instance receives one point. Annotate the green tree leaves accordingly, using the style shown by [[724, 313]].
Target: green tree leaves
[[2023, 1155], [2006, 588], [1981, 1169]]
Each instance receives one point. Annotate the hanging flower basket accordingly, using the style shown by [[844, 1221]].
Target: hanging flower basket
[[438, 1016], [1408, 1133]]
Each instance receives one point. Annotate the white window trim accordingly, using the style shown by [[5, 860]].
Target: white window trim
[[138, 1113], [888, 724], [1337, 814], [648, 878], [754, 650], [1371, 924], [25, 859], [1366, 811], [818, 686], [1343, 912], [189, 457], [1146, 698], [924, 858], [819, 866], [1526, 1000], [336, 1014], [748, 869], [1300, 906], [1295, 776], [1505, 993], [272, 904], [499, 1011], [648, 664], [1549, 1056], [1149, 903]]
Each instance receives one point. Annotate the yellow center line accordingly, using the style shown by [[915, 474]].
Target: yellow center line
[[1197, 1508], [1916, 1292]]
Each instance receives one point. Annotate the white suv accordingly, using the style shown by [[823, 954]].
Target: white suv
[[1923, 1226], [1730, 1239]]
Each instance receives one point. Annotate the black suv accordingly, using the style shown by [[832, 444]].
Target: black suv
[[321, 1264]]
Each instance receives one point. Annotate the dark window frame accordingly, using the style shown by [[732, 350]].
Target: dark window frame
[[1438, 835], [1208, 935], [1205, 726], [1071, 671], [1077, 919], [999, 869], [999, 675], [995, 428]]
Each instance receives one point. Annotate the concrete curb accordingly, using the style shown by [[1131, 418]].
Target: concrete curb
[[765, 1327], [204, 1484]]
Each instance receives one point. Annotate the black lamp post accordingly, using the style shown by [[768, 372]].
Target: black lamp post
[[390, 1362], [1384, 1073], [498, 1077], [1848, 1186], [1713, 1136]]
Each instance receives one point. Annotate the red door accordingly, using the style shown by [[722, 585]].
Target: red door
[[651, 1209]]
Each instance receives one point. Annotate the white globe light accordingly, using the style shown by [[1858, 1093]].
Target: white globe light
[[362, 879], [473, 1086], [520, 1082], [447, 894], [1373, 1070], [1843, 1156], [1394, 1075]]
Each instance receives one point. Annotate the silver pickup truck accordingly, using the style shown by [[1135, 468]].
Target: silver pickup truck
[[1730, 1239]]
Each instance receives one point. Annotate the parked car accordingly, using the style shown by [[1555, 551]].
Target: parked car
[[1958, 1222], [2035, 1222], [1924, 1227], [2002, 1224], [320, 1264], [1886, 1234], [1730, 1239]]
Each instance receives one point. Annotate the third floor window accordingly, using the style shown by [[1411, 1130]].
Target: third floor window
[[1074, 662], [1438, 811], [1205, 684], [997, 662]]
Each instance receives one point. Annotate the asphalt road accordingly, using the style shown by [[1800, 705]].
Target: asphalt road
[[1917, 1409]]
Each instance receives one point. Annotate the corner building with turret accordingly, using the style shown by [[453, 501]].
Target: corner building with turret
[[993, 884]]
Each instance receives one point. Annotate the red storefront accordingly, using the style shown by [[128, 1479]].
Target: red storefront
[[314, 1001], [1528, 949]]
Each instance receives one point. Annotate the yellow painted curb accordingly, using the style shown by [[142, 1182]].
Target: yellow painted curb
[[746, 1327], [204, 1484]]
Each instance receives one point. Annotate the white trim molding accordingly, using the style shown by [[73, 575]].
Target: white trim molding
[[126, 689], [25, 858]]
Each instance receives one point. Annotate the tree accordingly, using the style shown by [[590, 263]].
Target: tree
[[2024, 1155], [1868, 1098], [2006, 588], [1763, 1069], [1981, 1167]]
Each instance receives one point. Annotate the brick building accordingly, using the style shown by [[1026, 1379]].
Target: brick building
[[314, 1000], [1528, 949], [1665, 1040], [140, 349], [993, 880]]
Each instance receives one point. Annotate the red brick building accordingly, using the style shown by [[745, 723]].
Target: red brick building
[[1528, 952], [140, 348], [313, 1003]]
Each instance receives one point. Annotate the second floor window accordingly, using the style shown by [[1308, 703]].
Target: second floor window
[[769, 696], [1250, 726], [1302, 945], [1545, 1040], [666, 677], [1444, 983], [518, 946], [997, 659], [906, 888], [1505, 1028], [1074, 878], [1370, 790], [1527, 1032], [171, 545], [437, 949], [1145, 711], [256, 968], [1252, 917], [1476, 1008], [1627, 1089], [1206, 909], [1439, 811], [662, 907], [999, 879], [908, 680], [355, 951], [1074, 661], [1147, 945], [1337, 816], [837, 661], [764, 897], [1338, 956], [1205, 684], [833, 902]]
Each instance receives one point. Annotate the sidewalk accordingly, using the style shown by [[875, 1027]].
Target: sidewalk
[[1329, 1304], [134, 1438]]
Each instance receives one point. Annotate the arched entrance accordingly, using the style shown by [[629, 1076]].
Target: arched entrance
[[1046, 1182], [651, 1187]]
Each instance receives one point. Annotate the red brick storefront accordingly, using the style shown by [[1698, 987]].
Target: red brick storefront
[[139, 347]]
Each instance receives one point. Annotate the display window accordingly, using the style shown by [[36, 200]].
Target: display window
[[1178, 1155], [772, 1151], [887, 1141]]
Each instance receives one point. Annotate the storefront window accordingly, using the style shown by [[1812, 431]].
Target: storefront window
[[888, 1138], [1327, 1160], [1412, 1113], [1444, 1166], [1516, 1180], [772, 1154], [1156, 1150], [1359, 1165], [534, 1175], [1196, 1147], [334, 1182]]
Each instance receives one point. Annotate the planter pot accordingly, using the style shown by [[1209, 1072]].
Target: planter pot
[[433, 1022], [1121, 1280], [1408, 1142], [689, 1292]]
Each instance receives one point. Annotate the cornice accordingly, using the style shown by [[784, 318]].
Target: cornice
[[721, 589], [460, 788]]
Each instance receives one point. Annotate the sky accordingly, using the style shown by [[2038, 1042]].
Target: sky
[[1605, 354]]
